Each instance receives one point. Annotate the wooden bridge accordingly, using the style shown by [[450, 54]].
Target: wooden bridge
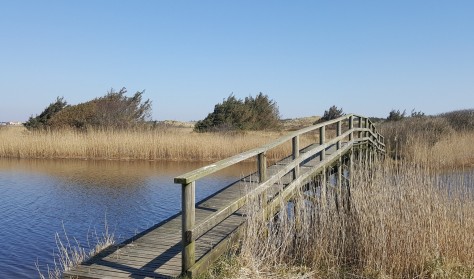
[[188, 242]]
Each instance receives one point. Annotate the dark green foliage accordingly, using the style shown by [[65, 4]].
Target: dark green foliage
[[42, 121], [114, 110], [396, 115], [332, 113], [417, 113], [259, 113]]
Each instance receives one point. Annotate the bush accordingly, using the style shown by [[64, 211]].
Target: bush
[[42, 121], [259, 113], [114, 110], [460, 119], [417, 113], [396, 115], [332, 113]]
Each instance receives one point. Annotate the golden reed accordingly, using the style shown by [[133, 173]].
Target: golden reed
[[407, 219], [175, 144]]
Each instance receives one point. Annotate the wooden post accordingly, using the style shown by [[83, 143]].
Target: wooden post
[[338, 133], [366, 126], [351, 126], [296, 153], [366, 134], [187, 224], [322, 139], [262, 167], [262, 175]]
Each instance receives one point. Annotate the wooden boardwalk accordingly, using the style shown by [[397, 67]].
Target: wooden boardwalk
[[213, 222]]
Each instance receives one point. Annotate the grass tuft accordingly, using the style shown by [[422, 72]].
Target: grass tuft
[[70, 252]]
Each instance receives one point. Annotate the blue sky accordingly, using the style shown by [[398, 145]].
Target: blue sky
[[367, 57]]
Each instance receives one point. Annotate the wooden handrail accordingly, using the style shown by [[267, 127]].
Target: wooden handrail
[[210, 169], [191, 231]]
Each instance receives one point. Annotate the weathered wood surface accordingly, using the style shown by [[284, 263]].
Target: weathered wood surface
[[208, 226], [156, 252]]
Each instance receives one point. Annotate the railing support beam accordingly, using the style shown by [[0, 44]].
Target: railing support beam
[[262, 167], [187, 224], [322, 139], [295, 154]]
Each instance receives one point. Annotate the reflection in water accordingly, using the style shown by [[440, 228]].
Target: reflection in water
[[39, 197]]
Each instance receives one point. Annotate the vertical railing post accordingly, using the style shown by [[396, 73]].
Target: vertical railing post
[[366, 135], [339, 165], [339, 183], [367, 126], [262, 174], [296, 153], [262, 167], [187, 224], [322, 139], [351, 126], [338, 133]]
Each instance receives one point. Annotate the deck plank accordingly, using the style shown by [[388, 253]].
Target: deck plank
[[156, 252]]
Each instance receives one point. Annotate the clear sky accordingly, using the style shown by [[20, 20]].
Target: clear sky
[[367, 57]]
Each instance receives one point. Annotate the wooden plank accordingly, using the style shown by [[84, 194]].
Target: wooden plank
[[157, 251], [207, 170]]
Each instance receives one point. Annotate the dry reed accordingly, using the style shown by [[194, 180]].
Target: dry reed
[[406, 219], [164, 144], [71, 253]]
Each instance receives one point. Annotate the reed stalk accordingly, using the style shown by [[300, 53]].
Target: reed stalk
[[171, 144], [406, 219]]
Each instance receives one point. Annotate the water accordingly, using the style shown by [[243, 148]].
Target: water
[[39, 198]]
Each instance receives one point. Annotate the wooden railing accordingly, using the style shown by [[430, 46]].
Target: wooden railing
[[364, 133]]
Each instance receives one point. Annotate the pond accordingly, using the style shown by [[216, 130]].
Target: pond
[[39, 198]]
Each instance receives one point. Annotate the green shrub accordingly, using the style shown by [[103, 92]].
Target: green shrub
[[332, 113], [396, 115], [42, 121], [114, 110], [259, 113]]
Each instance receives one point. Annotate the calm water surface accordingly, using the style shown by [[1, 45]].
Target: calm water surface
[[38, 198]]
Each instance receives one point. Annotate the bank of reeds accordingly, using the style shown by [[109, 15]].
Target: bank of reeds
[[140, 144], [405, 220], [443, 140]]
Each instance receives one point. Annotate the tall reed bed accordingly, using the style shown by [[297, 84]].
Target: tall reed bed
[[437, 140], [404, 221], [145, 144]]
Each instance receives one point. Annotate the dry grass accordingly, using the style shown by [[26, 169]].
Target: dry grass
[[455, 149], [433, 140], [406, 219], [71, 253], [164, 144]]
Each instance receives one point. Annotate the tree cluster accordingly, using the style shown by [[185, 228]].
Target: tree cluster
[[252, 113], [114, 110], [332, 113]]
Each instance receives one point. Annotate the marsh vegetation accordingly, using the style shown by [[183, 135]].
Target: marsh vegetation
[[406, 219]]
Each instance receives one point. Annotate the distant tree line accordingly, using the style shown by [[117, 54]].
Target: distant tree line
[[114, 110]]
